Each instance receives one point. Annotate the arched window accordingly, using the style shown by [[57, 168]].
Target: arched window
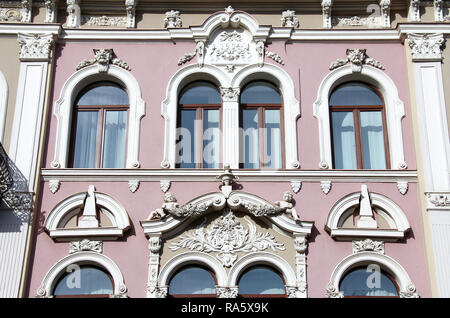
[[84, 281], [368, 282], [198, 133], [261, 121], [193, 281], [261, 281], [358, 123], [99, 127]]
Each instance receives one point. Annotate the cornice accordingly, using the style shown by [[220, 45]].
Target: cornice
[[244, 175], [15, 28]]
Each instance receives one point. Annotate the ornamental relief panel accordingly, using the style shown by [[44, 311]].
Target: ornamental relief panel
[[228, 235]]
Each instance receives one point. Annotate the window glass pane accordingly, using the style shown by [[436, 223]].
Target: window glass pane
[[372, 140], [362, 282], [106, 94], [115, 137], [200, 93], [85, 139], [250, 138], [343, 140], [354, 93], [261, 280], [86, 280], [273, 137], [260, 93], [192, 280], [211, 138], [186, 145]]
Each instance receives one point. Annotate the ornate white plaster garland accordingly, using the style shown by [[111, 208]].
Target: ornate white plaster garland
[[357, 58], [10, 15], [104, 21], [130, 6], [227, 237], [275, 57], [103, 57], [368, 245], [86, 245], [326, 13]]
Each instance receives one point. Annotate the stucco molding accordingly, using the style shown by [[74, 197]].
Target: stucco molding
[[426, 47], [64, 105], [172, 19], [50, 11], [73, 14], [84, 257], [35, 47], [340, 210], [395, 111], [289, 19], [63, 211], [406, 287]]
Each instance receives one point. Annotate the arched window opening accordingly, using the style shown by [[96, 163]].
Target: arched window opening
[[261, 281], [84, 281], [368, 281], [261, 120], [358, 123], [100, 127], [199, 126], [193, 281]]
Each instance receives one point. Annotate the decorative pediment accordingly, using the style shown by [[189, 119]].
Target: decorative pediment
[[103, 58]]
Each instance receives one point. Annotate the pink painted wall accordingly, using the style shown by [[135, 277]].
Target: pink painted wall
[[153, 63]]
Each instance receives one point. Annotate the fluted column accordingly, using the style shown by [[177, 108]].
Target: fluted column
[[230, 126]]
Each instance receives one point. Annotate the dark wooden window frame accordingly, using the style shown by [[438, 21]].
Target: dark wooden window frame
[[86, 295], [385, 274], [193, 295], [101, 120], [198, 142], [262, 139], [356, 110]]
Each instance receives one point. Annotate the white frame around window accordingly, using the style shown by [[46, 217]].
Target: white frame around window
[[63, 110], [388, 206], [64, 210], [3, 104], [387, 263], [394, 108], [230, 105], [82, 258]]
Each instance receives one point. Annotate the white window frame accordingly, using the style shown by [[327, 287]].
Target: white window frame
[[63, 110], [394, 108]]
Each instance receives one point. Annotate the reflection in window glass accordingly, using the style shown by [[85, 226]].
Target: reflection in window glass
[[354, 94], [372, 140], [192, 280], [250, 138], [106, 94], [187, 139], [273, 136], [115, 137], [85, 139], [344, 140], [362, 282], [84, 280], [260, 93], [200, 93], [261, 280], [211, 138]]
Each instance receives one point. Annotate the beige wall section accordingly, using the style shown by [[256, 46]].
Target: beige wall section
[[446, 77], [10, 66], [421, 177]]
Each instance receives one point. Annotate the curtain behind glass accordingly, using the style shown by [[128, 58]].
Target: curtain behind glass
[[250, 138], [372, 140], [192, 280], [186, 145], [85, 139], [211, 138], [115, 138], [344, 140], [273, 138]]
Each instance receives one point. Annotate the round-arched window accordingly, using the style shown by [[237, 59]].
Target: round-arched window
[[261, 281], [192, 281], [358, 126], [368, 282], [84, 280]]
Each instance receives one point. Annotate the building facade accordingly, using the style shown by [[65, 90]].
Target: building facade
[[225, 150]]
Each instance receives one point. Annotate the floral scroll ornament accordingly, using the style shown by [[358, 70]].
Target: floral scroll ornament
[[357, 58], [227, 237], [103, 57]]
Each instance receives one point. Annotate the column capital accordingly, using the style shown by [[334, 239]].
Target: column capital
[[35, 47], [426, 47], [230, 94]]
